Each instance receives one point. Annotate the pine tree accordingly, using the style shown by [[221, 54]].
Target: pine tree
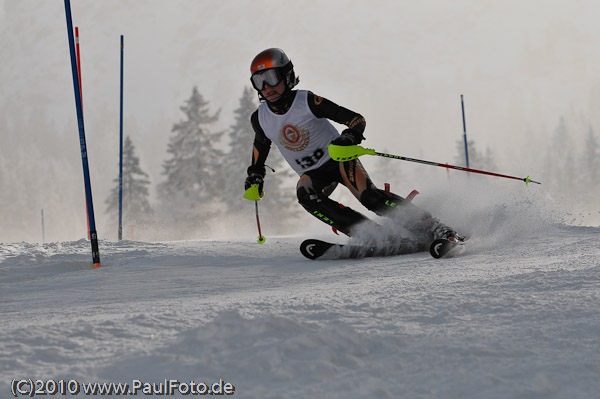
[[489, 160], [475, 160], [569, 175], [136, 206], [190, 195], [590, 161], [238, 158], [589, 179], [557, 166]]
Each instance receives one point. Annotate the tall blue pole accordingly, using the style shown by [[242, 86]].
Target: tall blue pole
[[462, 103], [121, 152], [82, 144]]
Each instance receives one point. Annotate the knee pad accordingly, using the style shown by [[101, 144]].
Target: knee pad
[[306, 196], [330, 212], [380, 201]]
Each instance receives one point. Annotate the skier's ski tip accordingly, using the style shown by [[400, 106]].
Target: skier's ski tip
[[314, 249], [440, 247]]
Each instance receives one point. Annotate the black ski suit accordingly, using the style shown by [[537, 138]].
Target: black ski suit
[[316, 184]]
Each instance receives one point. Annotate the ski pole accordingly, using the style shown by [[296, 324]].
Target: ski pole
[[253, 194], [261, 238], [348, 153]]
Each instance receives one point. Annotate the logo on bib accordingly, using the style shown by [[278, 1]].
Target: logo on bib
[[294, 139]]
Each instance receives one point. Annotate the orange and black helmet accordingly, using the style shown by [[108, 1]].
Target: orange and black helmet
[[271, 66]]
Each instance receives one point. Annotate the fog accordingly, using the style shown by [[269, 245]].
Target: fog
[[520, 64]]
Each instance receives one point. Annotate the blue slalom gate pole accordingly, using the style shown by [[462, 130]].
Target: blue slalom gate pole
[[462, 103], [82, 144], [121, 152]]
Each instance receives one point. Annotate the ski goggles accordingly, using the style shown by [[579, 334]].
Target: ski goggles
[[271, 77]]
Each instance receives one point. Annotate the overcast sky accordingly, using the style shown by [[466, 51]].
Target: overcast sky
[[520, 64]]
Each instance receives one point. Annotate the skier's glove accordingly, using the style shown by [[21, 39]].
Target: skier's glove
[[348, 137], [254, 179]]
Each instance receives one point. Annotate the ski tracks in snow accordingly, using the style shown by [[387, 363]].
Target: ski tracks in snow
[[509, 318]]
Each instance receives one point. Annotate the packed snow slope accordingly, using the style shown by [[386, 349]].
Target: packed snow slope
[[515, 316]]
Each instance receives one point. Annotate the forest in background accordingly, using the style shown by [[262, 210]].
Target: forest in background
[[534, 91], [200, 188]]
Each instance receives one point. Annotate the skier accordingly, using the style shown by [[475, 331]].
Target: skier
[[298, 122]]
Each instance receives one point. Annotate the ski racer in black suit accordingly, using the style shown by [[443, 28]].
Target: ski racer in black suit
[[297, 121]]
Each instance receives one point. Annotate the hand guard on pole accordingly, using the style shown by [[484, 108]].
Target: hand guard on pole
[[254, 187], [254, 192]]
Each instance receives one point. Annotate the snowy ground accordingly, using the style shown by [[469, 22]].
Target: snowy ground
[[517, 316]]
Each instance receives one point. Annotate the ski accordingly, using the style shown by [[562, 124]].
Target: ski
[[317, 249], [443, 247]]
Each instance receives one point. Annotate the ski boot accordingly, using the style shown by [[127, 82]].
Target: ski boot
[[442, 231]]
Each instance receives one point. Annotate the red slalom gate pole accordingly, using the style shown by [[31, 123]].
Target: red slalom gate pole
[[78, 64]]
